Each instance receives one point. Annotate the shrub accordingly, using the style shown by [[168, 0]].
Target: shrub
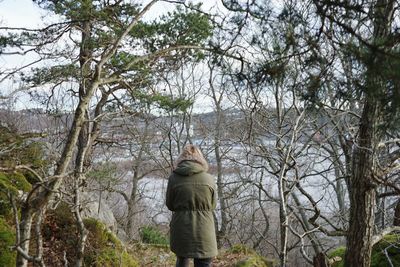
[[151, 235]]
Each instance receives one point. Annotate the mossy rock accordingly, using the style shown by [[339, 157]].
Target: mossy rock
[[11, 183], [104, 248], [7, 239], [14, 182], [24, 151], [100, 234], [390, 243]]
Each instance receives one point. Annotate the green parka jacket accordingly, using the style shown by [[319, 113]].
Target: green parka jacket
[[192, 197]]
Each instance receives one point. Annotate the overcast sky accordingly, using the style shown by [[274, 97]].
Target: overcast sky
[[24, 13], [19, 13]]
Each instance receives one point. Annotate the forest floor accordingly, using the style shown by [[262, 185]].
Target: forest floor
[[161, 256]]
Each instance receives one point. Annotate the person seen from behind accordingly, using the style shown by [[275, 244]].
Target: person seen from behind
[[192, 198]]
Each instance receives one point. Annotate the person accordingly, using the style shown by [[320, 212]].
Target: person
[[192, 198]]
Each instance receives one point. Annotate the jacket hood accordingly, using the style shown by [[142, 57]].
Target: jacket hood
[[191, 153], [188, 167]]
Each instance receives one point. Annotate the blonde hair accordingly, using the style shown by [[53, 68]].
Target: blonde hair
[[192, 153]]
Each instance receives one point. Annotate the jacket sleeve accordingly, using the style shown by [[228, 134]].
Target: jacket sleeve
[[214, 192], [214, 198], [168, 197]]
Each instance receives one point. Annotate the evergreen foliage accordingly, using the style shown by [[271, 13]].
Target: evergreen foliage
[[151, 235], [151, 48]]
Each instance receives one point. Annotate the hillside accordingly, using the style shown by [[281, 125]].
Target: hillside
[[104, 249]]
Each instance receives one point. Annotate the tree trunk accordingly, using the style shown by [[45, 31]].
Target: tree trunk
[[284, 229], [136, 169], [307, 227], [396, 220], [362, 193], [221, 229], [25, 227], [132, 207], [320, 260], [83, 232], [221, 233]]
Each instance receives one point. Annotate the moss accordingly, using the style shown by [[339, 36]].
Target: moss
[[254, 261], [378, 258], [240, 249], [152, 255], [7, 239], [110, 257], [11, 183], [19, 181], [101, 236], [14, 182], [337, 256], [22, 150], [33, 155], [390, 244]]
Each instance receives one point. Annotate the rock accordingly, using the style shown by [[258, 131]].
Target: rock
[[91, 209]]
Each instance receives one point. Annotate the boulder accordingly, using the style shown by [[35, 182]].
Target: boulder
[[103, 213]]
